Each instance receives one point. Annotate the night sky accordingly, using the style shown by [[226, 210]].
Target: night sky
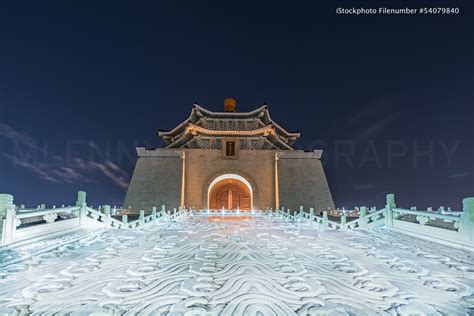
[[389, 98]]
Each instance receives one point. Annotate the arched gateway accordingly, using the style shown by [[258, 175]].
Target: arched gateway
[[231, 192]]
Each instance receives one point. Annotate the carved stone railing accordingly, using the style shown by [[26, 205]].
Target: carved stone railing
[[365, 220], [48, 215], [21, 224], [33, 222], [108, 221], [454, 228], [457, 228], [425, 217]]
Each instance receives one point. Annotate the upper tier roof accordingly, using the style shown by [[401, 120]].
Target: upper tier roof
[[256, 123]]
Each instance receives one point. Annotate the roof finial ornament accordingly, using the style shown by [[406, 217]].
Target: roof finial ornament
[[229, 104]]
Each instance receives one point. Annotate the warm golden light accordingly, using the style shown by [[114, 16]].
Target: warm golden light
[[229, 104], [229, 218]]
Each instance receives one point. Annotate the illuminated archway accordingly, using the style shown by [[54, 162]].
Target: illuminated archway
[[230, 191]]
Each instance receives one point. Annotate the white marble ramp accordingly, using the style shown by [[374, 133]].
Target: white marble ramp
[[243, 266]]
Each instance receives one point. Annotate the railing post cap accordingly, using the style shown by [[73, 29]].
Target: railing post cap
[[6, 204], [6, 199], [106, 209], [391, 200], [81, 198], [468, 203]]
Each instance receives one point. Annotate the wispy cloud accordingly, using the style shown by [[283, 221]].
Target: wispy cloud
[[373, 119], [368, 112], [373, 129], [460, 175], [60, 169], [106, 168], [38, 168], [15, 136]]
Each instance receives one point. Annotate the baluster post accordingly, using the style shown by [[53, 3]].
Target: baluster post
[[390, 205], [81, 202], [142, 218], [362, 215], [343, 221], [125, 221], [325, 219], [311, 216], [466, 227], [7, 219], [153, 215], [107, 218]]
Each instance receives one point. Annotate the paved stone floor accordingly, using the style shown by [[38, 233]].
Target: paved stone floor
[[236, 266]]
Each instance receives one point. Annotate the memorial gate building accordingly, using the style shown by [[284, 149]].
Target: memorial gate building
[[228, 160]]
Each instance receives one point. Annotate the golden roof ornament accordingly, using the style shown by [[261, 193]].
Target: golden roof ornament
[[229, 104]]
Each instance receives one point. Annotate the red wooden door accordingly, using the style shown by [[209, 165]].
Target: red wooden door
[[230, 194]]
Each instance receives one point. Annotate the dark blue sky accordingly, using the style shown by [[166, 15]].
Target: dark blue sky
[[83, 83]]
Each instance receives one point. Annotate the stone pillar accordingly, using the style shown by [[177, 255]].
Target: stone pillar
[[142, 218], [300, 215], [466, 227], [106, 209], [343, 221], [362, 215], [7, 219], [153, 214], [390, 205], [311, 216], [125, 221], [81, 201], [325, 219], [6, 202]]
